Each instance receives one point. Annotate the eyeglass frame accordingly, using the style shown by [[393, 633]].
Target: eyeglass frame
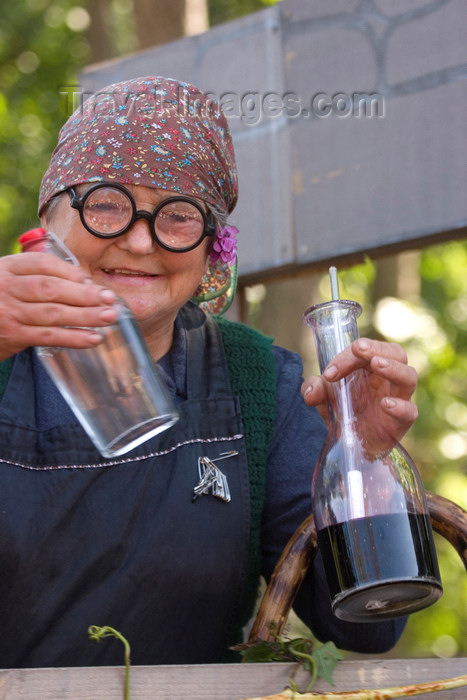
[[77, 202]]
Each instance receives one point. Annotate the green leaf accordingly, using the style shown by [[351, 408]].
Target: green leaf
[[326, 657]]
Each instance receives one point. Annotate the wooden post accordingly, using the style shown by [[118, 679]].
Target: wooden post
[[159, 21]]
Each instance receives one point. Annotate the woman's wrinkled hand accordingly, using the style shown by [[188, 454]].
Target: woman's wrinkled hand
[[43, 297], [384, 407]]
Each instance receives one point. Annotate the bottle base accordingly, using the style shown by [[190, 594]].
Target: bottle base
[[386, 601]]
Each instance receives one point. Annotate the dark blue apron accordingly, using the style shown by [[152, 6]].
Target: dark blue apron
[[88, 541]]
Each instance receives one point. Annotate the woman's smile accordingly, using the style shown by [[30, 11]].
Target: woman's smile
[[123, 271], [130, 274]]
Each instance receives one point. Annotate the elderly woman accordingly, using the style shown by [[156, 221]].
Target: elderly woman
[[139, 188]]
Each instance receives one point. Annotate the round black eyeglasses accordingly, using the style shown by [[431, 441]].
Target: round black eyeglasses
[[178, 223]]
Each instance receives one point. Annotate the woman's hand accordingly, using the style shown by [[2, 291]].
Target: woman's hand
[[40, 295], [385, 409]]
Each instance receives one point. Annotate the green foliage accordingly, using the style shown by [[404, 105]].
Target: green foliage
[[438, 440], [41, 49], [44, 44], [319, 661], [225, 10]]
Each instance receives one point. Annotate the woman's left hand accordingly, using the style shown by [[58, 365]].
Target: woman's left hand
[[386, 405]]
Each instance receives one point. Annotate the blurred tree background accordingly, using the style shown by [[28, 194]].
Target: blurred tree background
[[417, 298]]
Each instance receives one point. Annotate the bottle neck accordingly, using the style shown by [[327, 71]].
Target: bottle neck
[[334, 325]]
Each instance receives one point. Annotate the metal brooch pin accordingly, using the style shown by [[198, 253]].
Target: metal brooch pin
[[212, 479]]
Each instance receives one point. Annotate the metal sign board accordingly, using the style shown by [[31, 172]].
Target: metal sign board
[[347, 119]]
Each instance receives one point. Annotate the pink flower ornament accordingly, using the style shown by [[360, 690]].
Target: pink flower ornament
[[225, 246]]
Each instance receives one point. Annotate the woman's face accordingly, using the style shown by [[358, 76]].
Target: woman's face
[[154, 282]]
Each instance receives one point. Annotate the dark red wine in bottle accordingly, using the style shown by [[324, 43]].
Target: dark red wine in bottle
[[380, 567]]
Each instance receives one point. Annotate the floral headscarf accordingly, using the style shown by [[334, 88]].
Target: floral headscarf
[[157, 132]]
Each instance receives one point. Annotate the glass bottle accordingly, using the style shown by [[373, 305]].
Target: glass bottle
[[370, 511]]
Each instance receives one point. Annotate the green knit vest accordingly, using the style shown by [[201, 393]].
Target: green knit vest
[[252, 373]]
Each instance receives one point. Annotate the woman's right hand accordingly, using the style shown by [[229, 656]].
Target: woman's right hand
[[41, 296]]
